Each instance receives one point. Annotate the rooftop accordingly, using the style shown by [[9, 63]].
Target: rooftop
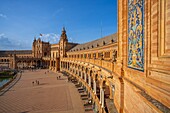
[[7, 52], [96, 43]]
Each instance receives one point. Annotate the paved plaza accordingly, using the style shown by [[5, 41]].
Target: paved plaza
[[50, 96]]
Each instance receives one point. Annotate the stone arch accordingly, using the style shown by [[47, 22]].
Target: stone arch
[[91, 78], [97, 82], [106, 87], [45, 54], [79, 70], [86, 74]]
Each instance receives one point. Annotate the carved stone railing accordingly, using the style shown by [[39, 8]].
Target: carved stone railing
[[100, 63]]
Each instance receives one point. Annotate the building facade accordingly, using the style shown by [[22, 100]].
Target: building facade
[[126, 72], [137, 78]]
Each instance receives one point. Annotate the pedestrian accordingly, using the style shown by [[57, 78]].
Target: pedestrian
[[33, 83], [38, 82], [45, 72], [59, 77]]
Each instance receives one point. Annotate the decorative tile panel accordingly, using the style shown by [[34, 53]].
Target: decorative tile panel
[[136, 34]]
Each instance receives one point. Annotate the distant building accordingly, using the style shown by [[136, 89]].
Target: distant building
[[43, 54]]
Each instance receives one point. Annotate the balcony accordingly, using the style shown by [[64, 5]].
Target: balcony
[[108, 65]]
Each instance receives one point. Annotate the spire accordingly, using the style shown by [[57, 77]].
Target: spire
[[34, 38], [63, 35], [64, 31]]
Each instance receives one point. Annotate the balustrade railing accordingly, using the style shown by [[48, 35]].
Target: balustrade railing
[[98, 62]]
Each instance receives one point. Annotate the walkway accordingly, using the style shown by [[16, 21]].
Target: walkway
[[51, 96]]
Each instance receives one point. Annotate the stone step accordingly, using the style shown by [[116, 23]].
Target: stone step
[[84, 98], [83, 95], [88, 109]]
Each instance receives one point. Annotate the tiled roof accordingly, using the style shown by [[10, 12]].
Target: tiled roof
[[7, 52], [96, 43]]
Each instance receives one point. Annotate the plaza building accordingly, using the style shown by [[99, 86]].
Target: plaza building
[[125, 72]]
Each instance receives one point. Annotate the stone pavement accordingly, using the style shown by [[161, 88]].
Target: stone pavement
[[50, 96]]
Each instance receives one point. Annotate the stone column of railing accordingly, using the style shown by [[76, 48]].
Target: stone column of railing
[[89, 81], [100, 95], [67, 66], [102, 98], [112, 89], [81, 74], [85, 77], [94, 86]]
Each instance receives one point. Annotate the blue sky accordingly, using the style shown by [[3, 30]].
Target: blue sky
[[22, 20]]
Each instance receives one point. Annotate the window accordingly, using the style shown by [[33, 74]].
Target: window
[[112, 41], [100, 55], [107, 54], [89, 55], [85, 55], [104, 43]]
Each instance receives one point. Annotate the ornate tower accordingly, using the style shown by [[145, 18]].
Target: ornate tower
[[33, 47], [62, 43]]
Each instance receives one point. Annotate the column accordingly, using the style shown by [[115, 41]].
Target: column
[[67, 65], [100, 95], [60, 66], [82, 74], [94, 86], [85, 77], [89, 81], [102, 98], [111, 91]]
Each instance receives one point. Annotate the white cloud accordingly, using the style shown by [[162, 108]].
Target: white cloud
[[70, 39], [50, 37], [2, 15], [8, 43], [2, 35]]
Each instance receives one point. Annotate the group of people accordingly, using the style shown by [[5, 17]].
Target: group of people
[[58, 77], [46, 72], [36, 82]]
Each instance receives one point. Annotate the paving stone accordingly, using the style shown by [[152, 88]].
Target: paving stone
[[50, 96]]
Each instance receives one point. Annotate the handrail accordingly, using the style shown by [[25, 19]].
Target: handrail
[[101, 63]]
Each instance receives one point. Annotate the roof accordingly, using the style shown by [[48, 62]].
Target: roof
[[7, 52], [96, 43]]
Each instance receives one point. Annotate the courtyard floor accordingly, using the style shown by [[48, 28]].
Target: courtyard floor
[[50, 96]]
